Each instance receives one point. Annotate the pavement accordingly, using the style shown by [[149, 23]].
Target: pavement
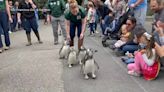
[[37, 68], [33, 68]]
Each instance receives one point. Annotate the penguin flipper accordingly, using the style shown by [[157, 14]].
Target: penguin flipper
[[61, 49], [96, 64], [81, 69]]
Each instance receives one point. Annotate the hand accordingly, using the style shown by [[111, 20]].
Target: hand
[[102, 21], [159, 49], [11, 20], [30, 1], [19, 21], [81, 36], [159, 29], [48, 20], [135, 52], [135, 40], [132, 5], [68, 37], [143, 51], [130, 55], [160, 24]]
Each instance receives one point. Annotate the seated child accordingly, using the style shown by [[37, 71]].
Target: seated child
[[109, 23], [145, 60], [124, 38]]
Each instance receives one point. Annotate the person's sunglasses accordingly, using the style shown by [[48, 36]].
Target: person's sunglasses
[[128, 24]]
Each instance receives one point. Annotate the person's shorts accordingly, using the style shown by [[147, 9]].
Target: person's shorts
[[29, 24]]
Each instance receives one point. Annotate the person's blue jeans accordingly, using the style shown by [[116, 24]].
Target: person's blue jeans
[[102, 28], [129, 60], [140, 15], [14, 23], [91, 25], [4, 28], [95, 25], [73, 27], [130, 48]]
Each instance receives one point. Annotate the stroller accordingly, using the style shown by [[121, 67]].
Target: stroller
[[115, 33]]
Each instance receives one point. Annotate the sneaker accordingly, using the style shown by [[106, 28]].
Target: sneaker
[[40, 42], [10, 32], [7, 48], [133, 73], [1, 50], [123, 59], [112, 47], [96, 32], [29, 44], [92, 35], [119, 53]]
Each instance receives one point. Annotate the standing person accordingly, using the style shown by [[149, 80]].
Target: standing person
[[16, 5], [109, 4], [91, 17], [75, 18], [140, 10], [14, 16], [5, 16], [57, 8], [29, 20], [45, 16], [67, 4], [119, 8]]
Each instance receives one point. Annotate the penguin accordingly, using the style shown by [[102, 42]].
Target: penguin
[[81, 54], [72, 57], [89, 65], [64, 50]]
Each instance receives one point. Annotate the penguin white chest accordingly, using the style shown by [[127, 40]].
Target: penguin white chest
[[82, 53], [64, 51], [72, 58], [89, 66], [81, 56]]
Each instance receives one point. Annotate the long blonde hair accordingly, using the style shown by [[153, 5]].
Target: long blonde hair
[[73, 4]]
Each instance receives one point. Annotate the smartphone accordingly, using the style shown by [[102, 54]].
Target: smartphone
[[155, 38]]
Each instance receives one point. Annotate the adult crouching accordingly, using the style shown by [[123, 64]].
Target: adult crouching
[[75, 18]]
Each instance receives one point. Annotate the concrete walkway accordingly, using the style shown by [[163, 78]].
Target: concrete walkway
[[31, 69], [38, 68]]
